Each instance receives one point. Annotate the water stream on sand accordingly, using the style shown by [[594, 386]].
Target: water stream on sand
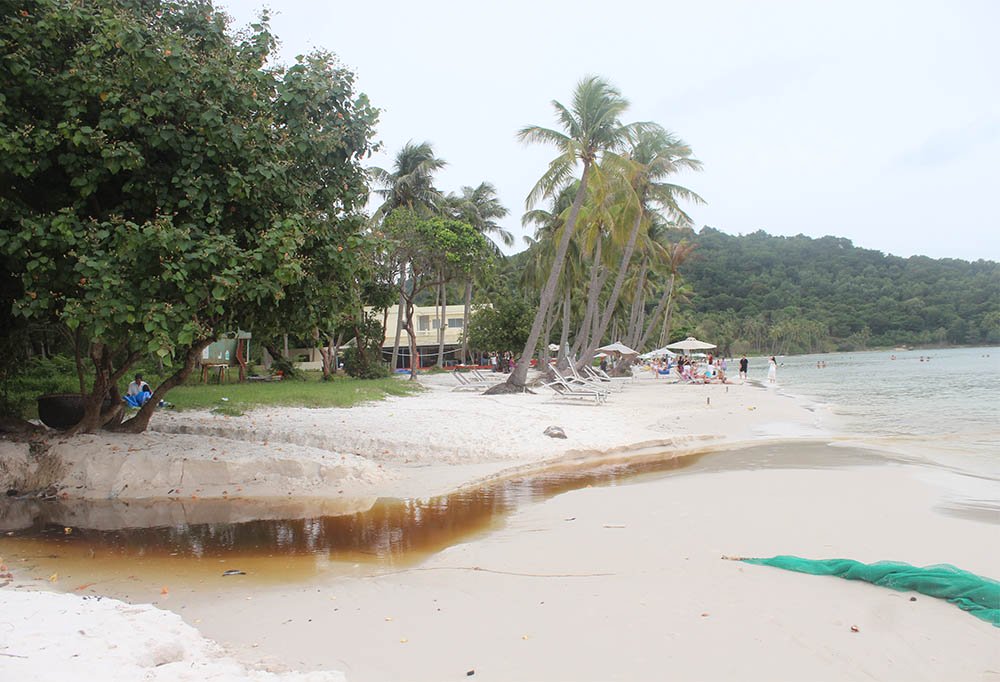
[[96, 541]]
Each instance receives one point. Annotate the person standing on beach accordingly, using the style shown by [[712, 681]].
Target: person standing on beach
[[772, 370], [744, 365]]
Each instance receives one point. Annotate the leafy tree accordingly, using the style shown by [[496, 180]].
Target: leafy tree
[[159, 185], [501, 326], [435, 250], [480, 207], [409, 185]]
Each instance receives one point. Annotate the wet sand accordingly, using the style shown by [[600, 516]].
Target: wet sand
[[627, 583], [622, 580]]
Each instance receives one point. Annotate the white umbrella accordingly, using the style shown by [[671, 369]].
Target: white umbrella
[[553, 346], [659, 352], [690, 343], [619, 347], [601, 355]]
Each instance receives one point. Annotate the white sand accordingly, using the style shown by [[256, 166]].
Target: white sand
[[644, 619]]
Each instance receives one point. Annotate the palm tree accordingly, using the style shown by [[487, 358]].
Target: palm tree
[[655, 155], [410, 184], [479, 207], [411, 181], [548, 223], [593, 128], [676, 255]]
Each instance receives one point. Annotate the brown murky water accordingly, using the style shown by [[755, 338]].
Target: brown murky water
[[103, 538]]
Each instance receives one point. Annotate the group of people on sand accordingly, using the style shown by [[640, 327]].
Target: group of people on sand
[[712, 370]]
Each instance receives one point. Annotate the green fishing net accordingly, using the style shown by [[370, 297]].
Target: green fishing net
[[978, 595]]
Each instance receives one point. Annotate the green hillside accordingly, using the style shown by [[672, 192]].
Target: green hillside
[[798, 294]]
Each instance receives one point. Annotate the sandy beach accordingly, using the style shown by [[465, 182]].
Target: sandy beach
[[607, 582]]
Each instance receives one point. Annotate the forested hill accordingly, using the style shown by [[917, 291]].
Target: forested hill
[[831, 294]]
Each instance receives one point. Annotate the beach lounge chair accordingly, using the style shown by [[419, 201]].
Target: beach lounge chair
[[562, 389], [601, 377], [491, 378], [576, 380], [466, 384]]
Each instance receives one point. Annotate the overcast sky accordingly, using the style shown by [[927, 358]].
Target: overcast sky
[[875, 121]]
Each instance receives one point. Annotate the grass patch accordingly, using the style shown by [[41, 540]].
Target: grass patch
[[310, 392]]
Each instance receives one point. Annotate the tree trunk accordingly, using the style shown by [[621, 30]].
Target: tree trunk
[[612, 302], [567, 307], [638, 301], [326, 355], [518, 378], [399, 320], [140, 421], [442, 323], [654, 318], [665, 332], [593, 295], [105, 387], [465, 321], [414, 357]]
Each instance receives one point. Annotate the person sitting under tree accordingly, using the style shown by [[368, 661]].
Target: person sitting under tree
[[138, 392]]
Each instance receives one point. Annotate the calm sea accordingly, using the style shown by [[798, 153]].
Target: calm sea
[[940, 407]]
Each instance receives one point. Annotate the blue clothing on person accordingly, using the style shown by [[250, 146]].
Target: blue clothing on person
[[139, 399]]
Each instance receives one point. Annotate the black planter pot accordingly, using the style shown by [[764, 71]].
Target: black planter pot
[[63, 410]]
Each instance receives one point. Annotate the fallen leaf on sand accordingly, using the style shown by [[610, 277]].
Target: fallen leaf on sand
[[83, 586], [54, 577], [164, 590]]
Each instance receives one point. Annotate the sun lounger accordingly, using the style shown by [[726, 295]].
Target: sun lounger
[[601, 377], [465, 383], [490, 378], [576, 380], [562, 389]]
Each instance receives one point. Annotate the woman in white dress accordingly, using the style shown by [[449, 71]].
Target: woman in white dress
[[772, 370]]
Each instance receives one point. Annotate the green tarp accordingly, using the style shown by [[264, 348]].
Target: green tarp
[[978, 595]]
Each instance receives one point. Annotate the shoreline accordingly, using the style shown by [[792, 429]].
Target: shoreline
[[402, 447], [272, 616]]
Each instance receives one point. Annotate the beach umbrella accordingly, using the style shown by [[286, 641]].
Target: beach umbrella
[[601, 355], [553, 347], [690, 343], [659, 352], [619, 347]]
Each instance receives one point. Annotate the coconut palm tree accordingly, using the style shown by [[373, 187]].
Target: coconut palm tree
[[592, 128], [677, 254], [410, 184], [655, 155], [479, 207], [548, 223]]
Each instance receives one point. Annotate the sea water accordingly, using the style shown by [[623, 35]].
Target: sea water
[[936, 408]]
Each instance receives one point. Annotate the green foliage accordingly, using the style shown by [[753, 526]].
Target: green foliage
[[504, 326], [797, 294], [38, 376], [162, 185], [369, 331], [311, 392], [374, 368]]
